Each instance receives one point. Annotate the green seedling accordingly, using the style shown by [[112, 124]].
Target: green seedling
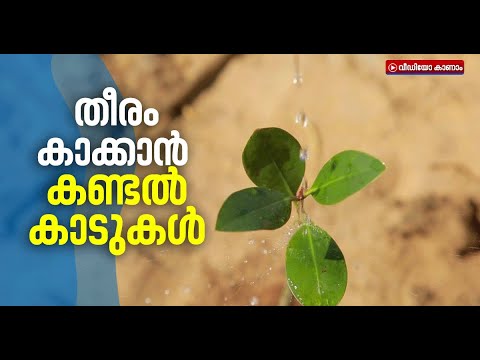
[[315, 266]]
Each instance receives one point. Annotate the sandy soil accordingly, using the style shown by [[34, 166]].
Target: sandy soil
[[410, 238]]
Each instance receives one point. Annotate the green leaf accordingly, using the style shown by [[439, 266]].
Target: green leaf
[[316, 269], [254, 209], [271, 159], [343, 175]]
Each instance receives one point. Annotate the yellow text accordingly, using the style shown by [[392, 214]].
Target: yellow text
[[95, 230]]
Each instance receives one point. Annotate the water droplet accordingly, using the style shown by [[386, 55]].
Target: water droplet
[[298, 80], [167, 292], [265, 252], [245, 261], [254, 301], [270, 268], [252, 283], [251, 242], [304, 154], [301, 119], [148, 300], [263, 241], [305, 232]]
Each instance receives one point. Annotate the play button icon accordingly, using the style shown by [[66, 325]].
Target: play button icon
[[392, 67]]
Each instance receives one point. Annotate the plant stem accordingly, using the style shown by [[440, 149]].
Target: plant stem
[[309, 192]]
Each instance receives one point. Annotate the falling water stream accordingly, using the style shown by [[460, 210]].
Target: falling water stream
[[302, 125], [303, 132]]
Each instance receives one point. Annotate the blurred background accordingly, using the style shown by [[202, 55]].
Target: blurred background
[[410, 238]]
